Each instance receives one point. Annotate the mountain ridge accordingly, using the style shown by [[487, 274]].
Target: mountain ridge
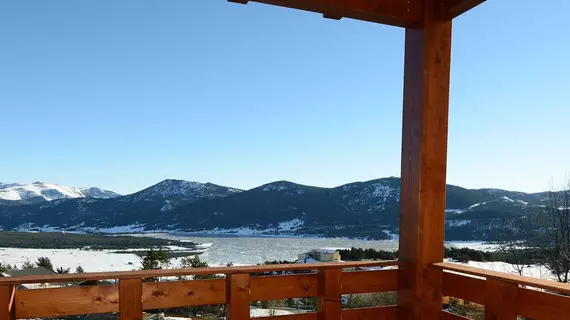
[[49, 191], [366, 209]]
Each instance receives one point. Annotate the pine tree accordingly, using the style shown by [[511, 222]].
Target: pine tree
[[154, 260], [61, 270], [195, 262], [5, 267], [79, 269], [45, 262]]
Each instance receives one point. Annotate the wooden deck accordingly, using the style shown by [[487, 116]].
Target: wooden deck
[[504, 296]]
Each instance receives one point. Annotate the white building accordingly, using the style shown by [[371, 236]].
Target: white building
[[319, 255]]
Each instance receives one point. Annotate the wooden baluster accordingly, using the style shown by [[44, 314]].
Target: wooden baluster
[[130, 299], [238, 296], [7, 303], [501, 300], [329, 294]]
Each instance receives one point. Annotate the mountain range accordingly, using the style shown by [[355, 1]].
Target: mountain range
[[362, 209], [41, 191]]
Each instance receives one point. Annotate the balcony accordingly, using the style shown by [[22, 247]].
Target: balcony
[[421, 278], [504, 296]]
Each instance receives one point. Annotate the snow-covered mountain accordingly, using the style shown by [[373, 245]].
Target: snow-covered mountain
[[361, 209], [183, 190], [95, 192], [49, 192]]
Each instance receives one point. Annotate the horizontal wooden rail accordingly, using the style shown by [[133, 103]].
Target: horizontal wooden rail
[[450, 316], [506, 277], [505, 296], [374, 313], [193, 271], [130, 296]]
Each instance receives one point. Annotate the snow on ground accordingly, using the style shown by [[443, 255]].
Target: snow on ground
[[131, 228], [534, 271], [80, 228], [291, 225], [475, 245], [507, 199], [48, 191], [283, 227], [456, 223], [476, 205], [90, 261], [257, 312], [253, 312]]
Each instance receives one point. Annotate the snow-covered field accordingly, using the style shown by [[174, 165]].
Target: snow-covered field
[[219, 251], [534, 271], [90, 261]]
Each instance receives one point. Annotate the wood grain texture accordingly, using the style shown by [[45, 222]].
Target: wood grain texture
[[130, 299], [464, 287], [7, 306], [238, 296], [281, 287], [369, 281], [501, 300], [563, 288], [39, 303], [424, 161], [156, 295], [190, 271], [329, 294], [374, 313], [392, 12], [542, 305], [450, 316], [449, 9]]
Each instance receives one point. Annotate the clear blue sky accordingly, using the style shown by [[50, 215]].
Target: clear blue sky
[[123, 94]]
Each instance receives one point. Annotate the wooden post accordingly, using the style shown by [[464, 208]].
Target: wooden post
[[501, 300], [238, 296], [424, 161], [130, 299], [329, 294], [7, 303]]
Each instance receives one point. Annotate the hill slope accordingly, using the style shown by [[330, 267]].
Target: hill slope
[[48, 192], [361, 209]]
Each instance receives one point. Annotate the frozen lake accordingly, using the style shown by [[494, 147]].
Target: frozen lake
[[253, 250], [219, 250]]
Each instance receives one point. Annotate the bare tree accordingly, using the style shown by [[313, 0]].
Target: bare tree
[[551, 234], [513, 245]]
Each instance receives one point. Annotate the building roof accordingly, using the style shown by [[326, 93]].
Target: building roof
[[28, 272]]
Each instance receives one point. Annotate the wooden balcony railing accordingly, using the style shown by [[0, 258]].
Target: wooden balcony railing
[[505, 296], [131, 296]]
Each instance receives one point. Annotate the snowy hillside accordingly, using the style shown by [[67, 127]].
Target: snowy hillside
[[49, 192], [369, 209], [186, 190], [95, 192]]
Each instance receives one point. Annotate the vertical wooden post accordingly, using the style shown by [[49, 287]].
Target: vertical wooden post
[[238, 296], [424, 161], [130, 299], [501, 300], [329, 294], [7, 303]]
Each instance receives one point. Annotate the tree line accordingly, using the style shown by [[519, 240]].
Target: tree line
[[58, 240]]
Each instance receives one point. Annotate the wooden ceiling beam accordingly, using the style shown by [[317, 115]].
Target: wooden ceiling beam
[[449, 9], [402, 13]]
